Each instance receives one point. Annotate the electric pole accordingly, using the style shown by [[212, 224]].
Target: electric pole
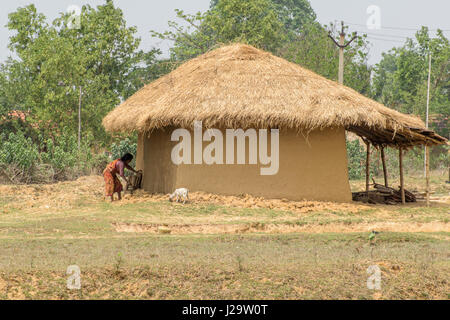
[[428, 103], [427, 149], [341, 45], [79, 117]]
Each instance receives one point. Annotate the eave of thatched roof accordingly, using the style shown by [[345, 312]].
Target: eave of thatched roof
[[239, 86]]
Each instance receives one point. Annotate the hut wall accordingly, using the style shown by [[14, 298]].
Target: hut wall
[[140, 152], [154, 158], [314, 169]]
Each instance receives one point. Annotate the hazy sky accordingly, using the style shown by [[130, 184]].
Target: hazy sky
[[153, 15]]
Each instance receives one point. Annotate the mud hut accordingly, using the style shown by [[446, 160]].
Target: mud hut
[[241, 87]]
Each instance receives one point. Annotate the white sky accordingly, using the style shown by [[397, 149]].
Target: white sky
[[154, 14]]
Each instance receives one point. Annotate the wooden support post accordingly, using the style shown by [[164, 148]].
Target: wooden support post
[[367, 168], [427, 173], [383, 160], [341, 45], [341, 56], [402, 186]]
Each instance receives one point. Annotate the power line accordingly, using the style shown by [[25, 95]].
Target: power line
[[396, 28], [383, 35], [381, 39]]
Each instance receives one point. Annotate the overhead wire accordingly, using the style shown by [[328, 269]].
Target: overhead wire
[[396, 28]]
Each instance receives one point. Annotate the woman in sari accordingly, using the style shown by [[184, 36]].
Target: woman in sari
[[112, 182]]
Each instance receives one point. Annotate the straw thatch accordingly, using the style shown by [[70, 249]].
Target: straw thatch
[[239, 86]]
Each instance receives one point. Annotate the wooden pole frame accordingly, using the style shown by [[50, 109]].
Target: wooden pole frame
[[426, 117], [383, 160], [427, 173], [402, 185], [79, 117], [341, 45], [367, 168], [341, 57]]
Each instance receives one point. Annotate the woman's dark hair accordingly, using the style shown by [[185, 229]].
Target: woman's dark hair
[[126, 157]]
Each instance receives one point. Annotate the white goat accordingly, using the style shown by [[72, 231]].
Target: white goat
[[180, 194]]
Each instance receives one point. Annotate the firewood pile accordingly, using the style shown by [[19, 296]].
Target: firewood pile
[[383, 195]]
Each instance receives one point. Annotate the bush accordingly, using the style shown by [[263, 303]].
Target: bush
[[125, 146], [19, 157], [356, 157], [20, 160], [99, 163], [18, 150], [61, 154]]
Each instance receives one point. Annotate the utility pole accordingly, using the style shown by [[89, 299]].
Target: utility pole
[[79, 117], [427, 150], [428, 103], [341, 45], [448, 154]]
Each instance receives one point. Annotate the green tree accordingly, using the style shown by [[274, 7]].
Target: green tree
[[400, 79], [54, 61], [293, 14], [284, 27], [313, 49], [150, 68], [255, 22]]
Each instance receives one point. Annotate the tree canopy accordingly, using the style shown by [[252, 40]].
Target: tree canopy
[[286, 28], [400, 78], [254, 22], [52, 60]]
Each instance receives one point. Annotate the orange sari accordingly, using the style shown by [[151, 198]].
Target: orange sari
[[112, 182]]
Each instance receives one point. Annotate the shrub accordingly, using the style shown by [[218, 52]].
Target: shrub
[[124, 146], [20, 160], [18, 150], [61, 154], [356, 157], [18, 157], [99, 163]]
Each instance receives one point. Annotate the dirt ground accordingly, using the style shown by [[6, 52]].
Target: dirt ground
[[64, 194], [218, 247], [88, 191]]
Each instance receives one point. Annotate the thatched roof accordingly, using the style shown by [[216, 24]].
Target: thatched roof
[[239, 86]]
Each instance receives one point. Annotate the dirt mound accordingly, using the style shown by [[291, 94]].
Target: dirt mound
[[248, 201], [90, 190], [62, 195], [279, 228]]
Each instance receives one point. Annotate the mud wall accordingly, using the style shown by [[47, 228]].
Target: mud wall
[[154, 151], [312, 168]]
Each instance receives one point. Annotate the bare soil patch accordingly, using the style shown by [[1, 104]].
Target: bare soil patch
[[89, 189], [66, 195], [279, 228]]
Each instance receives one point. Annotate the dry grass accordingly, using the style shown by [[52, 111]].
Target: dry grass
[[239, 86], [233, 267], [217, 248], [210, 214]]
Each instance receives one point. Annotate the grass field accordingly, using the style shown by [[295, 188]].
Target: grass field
[[218, 247]]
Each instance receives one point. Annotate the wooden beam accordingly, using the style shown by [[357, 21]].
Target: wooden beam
[[408, 137], [449, 162], [402, 186], [367, 168], [383, 160], [427, 173]]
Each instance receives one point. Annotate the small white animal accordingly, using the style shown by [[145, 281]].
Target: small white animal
[[180, 194]]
